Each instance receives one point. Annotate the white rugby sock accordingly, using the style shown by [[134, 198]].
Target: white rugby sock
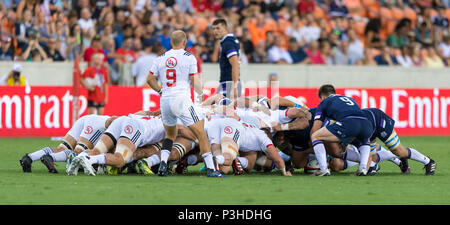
[[417, 156], [321, 155], [98, 159], [192, 159], [153, 160], [364, 151], [38, 154], [60, 156], [244, 162], [208, 160], [165, 155]]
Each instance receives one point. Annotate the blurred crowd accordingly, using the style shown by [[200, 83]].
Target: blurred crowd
[[332, 32]]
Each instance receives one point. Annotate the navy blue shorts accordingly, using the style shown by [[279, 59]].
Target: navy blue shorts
[[299, 139], [350, 128], [385, 128]]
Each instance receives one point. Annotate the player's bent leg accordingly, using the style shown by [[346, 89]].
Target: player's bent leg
[[317, 139], [147, 151], [205, 150], [171, 132], [250, 158]]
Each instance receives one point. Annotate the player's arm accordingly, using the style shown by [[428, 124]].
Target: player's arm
[[277, 101], [235, 68], [153, 83], [197, 85], [272, 154], [299, 124]]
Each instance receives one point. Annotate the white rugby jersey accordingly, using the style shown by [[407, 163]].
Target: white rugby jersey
[[173, 69], [153, 128], [254, 139]]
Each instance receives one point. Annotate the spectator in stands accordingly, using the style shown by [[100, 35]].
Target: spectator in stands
[[432, 59], [355, 47], [125, 54], [164, 38], [338, 8], [86, 21], [423, 34], [34, 52], [416, 56], [260, 53], [314, 53], [293, 30], [74, 42], [52, 52], [141, 68], [277, 54], [96, 80], [258, 28], [367, 60], [386, 58], [399, 38], [310, 32], [14, 77], [297, 53], [96, 47], [327, 51], [404, 58], [25, 29], [32, 5], [444, 49], [340, 54], [306, 6], [6, 49], [440, 20], [372, 34]]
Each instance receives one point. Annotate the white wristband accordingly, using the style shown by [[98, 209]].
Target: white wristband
[[285, 126]]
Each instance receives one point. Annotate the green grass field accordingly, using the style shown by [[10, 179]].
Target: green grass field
[[389, 186]]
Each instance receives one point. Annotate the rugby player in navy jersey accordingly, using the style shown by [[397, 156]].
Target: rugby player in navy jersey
[[384, 130], [351, 123], [230, 85]]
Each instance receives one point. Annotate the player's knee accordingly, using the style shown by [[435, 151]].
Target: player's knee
[[230, 149], [125, 151], [178, 153]]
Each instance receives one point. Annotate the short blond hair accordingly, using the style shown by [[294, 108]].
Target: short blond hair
[[177, 38]]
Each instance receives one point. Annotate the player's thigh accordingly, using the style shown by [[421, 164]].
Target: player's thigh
[[324, 134], [147, 151], [334, 149]]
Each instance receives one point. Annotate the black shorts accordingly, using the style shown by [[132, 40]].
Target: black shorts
[[96, 104]]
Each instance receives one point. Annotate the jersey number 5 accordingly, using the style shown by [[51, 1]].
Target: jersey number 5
[[171, 75]]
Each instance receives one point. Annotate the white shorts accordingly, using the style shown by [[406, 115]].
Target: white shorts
[[182, 108], [115, 128], [134, 130], [226, 127], [90, 127]]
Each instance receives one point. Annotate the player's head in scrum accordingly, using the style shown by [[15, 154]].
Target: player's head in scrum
[[178, 39]]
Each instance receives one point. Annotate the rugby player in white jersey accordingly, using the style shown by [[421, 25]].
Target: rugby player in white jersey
[[176, 69], [84, 134], [131, 132]]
